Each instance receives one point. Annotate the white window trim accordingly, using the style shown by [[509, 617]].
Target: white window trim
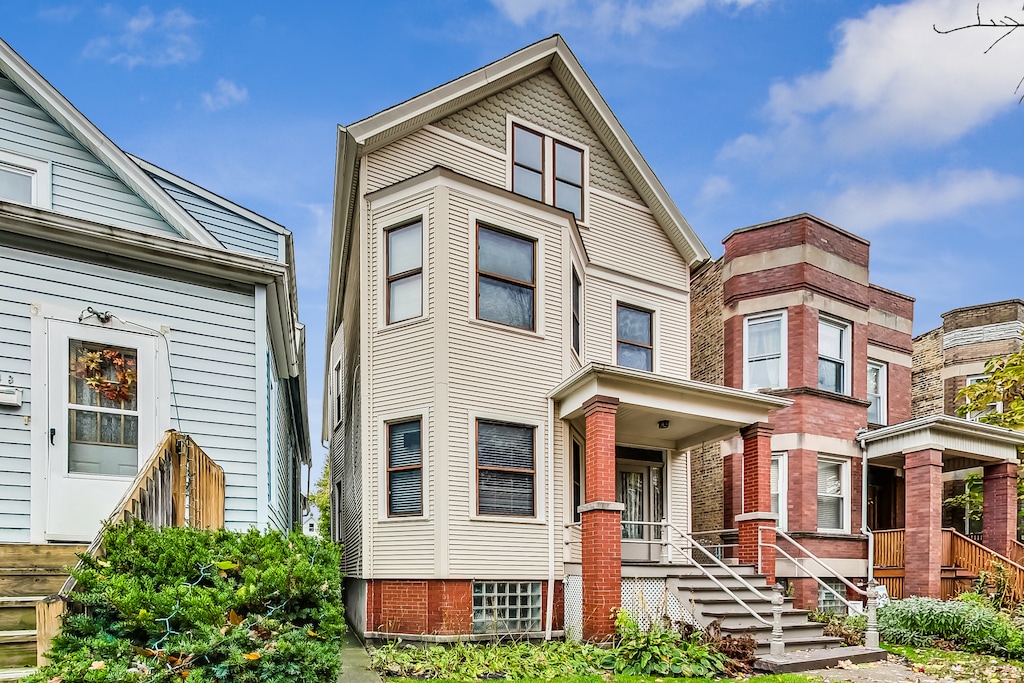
[[423, 216], [847, 329], [883, 389], [574, 437], [539, 465], [846, 496], [578, 272], [783, 517], [995, 407], [642, 304], [39, 170], [783, 346], [501, 225], [423, 415], [338, 404], [548, 176]]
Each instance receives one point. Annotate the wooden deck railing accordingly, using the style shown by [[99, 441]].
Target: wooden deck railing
[[178, 485], [1016, 552], [976, 558]]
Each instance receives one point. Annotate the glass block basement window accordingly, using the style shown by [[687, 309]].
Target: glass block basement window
[[827, 602], [506, 607]]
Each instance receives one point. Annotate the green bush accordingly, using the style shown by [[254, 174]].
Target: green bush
[[969, 623], [658, 651], [850, 628], [210, 606]]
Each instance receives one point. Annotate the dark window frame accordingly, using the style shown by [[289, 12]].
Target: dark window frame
[[543, 159], [532, 286], [404, 275], [650, 317], [556, 178], [532, 472], [405, 468], [576, 299]]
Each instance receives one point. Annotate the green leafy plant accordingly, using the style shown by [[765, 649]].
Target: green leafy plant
[[850, 628], [969, 624], [210, 606], [659, 650]]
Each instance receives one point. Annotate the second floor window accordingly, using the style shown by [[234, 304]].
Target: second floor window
[[547, 170], [635, 338], [405, 272], [764, 363], [577, 305], [834, 356], [876, 393], [506, 278]]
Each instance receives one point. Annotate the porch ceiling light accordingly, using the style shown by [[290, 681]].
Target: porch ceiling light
[[662, 424]]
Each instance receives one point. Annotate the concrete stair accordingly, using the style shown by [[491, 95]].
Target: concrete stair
[[710, 603], [28, 573]]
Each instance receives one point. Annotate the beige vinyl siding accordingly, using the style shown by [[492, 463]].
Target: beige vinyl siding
[[543, 101], [627, 239], [402, 385], [212, 363], [678, 489], [424, 149], [499, 372], [83, 186]]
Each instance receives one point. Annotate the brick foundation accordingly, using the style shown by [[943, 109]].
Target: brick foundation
[[923, 553]]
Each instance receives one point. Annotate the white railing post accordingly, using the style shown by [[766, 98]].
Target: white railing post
[[759, 565], [777, 647], [666, 542], [871, 632]]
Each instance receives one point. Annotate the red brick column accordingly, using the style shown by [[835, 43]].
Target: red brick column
[[923, 542], [1000, 512], [757, 500], [601, 519]]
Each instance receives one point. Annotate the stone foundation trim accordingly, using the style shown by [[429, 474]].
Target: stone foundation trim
[[601, 505]]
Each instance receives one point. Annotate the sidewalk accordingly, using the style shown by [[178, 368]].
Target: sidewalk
[[355, 663]]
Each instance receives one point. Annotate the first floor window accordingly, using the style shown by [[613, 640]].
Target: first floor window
[[405, 468], [505, 469], [833, 356], [778, 487], [635, 338], [832, 495], [876, 393], [506, 278], [506, 607], [828, 601], [405, 272], [764, 364], [577, 479]]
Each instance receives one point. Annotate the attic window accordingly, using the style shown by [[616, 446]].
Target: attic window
[[548, 169], [24, 180]]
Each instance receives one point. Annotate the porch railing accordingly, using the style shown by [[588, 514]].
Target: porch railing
[[976, 558], [1016, 552], [178, 485], [870, 594]]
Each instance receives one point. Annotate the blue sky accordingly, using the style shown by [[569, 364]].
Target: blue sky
[[748, 110]]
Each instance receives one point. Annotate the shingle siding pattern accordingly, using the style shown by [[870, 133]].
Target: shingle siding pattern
[[543, 101]]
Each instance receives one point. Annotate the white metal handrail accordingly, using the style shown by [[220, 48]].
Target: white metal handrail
[[871, 593]]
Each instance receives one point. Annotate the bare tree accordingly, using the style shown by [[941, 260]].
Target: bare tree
[[1007, 24]]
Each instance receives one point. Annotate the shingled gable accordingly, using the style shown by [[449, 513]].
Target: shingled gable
[[39, 90], [362, 137]]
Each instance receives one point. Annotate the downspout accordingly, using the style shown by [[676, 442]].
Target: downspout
[[550, 451], [864, 502]]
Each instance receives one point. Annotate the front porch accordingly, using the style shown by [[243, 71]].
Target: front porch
[[632, 432]]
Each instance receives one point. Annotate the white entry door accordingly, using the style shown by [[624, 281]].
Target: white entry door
[[639, 487], [102, 402]]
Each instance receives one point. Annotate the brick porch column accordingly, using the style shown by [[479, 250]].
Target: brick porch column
[[757, 499], [923, 541], [1000, 510], [601, 519]]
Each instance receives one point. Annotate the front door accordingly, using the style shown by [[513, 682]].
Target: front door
[[101, 423], [639, 486]]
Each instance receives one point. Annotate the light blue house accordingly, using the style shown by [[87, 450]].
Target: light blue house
[[131, 302]]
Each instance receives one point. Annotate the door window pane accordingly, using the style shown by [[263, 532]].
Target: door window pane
[[103, 420], [631, 488]]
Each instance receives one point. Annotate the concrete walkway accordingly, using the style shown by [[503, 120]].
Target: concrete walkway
[[355, 663]]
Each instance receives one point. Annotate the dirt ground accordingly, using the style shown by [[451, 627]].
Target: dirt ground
[[898, 670]]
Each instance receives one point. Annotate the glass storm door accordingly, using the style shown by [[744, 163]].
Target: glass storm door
[[638, 486], [101, 423]]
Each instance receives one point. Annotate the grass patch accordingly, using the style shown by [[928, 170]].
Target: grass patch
[[774, 678], [958, 665]]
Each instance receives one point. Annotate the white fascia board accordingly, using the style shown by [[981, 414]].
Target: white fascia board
[[56, 105]]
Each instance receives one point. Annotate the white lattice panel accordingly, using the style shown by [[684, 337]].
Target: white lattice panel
[[573, 604], [649, 600]]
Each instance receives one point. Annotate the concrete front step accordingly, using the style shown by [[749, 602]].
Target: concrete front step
[[740, 618], [808, 660], [794, 645]]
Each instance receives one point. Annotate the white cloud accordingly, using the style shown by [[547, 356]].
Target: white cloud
[[58, 13], [893, 78], [607, 16], [148, 39], [870, 207], [225, 94], [715, 187]]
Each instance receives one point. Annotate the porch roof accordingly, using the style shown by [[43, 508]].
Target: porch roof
[[963, 443], [697, 412]]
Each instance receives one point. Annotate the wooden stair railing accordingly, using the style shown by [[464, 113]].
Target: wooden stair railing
[[889, 560], [976, 558], [1016, 552], [178, 485]]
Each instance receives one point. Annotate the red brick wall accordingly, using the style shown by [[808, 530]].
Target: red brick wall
[[923, 553], [601, 551], [820, 413], [796, 277], [790, 232], [892, 302], [899, 393]]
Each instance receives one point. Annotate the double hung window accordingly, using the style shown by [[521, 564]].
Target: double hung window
[[405, 272], [778, 482], [505, 469], [548, 170], [877, 393], [405, 468], [764, 363], [577, 312], [635, 338], [833, 495], [506, 278], [834, 356]]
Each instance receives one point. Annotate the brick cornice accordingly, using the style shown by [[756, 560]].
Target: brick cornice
[[819, 393], [757, 430], [606, 404]]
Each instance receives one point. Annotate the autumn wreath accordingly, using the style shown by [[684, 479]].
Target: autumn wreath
[[95, 366]]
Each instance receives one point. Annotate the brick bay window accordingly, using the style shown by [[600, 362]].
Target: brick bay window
[[548, 170], [405, 468], [506, 278], [833, 495], [405, 272], [505, 469], [764, 363], [634, 338], [877, 413], [834, 355]]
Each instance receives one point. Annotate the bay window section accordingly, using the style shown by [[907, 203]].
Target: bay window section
[[764, 363], [569, 179], [405, 272], [527, 163], [577, 306], [833, 356], [779, 482], [833, 500], [505, 469], [877, 393], [635, 338], [506, 278], [405, 468]]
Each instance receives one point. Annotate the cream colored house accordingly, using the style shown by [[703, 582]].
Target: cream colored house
[[508, 399]]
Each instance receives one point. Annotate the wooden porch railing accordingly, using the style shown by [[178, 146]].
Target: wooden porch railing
[[1016, 552], [958, 552], [178, 485]]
